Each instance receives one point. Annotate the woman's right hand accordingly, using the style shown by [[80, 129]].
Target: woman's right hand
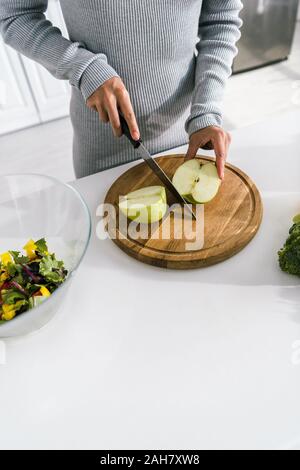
[[110, 97]]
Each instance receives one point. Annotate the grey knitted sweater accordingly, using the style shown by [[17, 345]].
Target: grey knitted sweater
[[175, 81]]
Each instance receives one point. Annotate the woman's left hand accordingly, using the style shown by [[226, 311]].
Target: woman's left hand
[[211, 138]]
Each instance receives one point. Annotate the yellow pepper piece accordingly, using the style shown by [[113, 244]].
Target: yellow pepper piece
[[30, 248], [6, 258], [4, 276], [9, 312], [45, 292]]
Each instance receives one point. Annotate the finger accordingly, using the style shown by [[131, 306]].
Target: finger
[[227, 144], [114, 119], [220, 149], [102, 113], [192, 151], [220, 162], [128, 113], [90, 103]]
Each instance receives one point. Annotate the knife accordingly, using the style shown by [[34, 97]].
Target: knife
[[143, 153]]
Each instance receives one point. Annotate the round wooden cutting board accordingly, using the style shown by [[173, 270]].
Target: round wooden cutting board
[[224, 226]]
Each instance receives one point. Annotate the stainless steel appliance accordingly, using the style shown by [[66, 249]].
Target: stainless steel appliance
[[267, 33]]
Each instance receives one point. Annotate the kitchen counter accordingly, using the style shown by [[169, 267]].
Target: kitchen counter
[[143, 357]]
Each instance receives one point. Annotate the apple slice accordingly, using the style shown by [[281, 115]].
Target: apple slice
[[205, 190], [149, 191], [145, 205], [197, 183], [207, 185], [185, 177], [210, 169]]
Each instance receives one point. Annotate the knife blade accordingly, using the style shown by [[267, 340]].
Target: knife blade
[[143, 153]]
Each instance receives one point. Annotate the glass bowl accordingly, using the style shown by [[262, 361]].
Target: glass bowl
[[34, 207]]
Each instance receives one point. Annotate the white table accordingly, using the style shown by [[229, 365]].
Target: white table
[[142, 357]]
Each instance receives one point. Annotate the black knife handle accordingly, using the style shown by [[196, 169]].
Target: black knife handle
[[126, 132]]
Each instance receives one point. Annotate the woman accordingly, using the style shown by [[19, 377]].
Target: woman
[[141, 56]]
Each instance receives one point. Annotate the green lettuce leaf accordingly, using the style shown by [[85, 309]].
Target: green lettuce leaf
[[52, 269], [11, 296], [41, 246], [18, 258]]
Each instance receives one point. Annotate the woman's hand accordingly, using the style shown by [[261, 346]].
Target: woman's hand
[[211, 138], [110, 97]]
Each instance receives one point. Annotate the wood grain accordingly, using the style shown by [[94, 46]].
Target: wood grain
[[228, 222]]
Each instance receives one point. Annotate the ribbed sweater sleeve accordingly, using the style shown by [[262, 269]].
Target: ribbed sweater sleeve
[[219, 25], [24, 27]]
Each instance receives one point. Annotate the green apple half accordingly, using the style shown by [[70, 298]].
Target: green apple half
[[145, 205], [198, 183]]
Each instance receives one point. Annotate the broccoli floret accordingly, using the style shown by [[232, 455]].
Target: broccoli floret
[[289, 255]]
